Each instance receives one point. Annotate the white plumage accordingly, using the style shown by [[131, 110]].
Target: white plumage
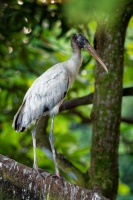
[[47, 92]]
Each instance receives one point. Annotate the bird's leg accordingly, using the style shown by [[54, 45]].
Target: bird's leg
[[34, 146], [35, 167], [51, 139]]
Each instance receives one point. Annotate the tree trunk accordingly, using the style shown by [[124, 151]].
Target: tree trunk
[[106, 115]]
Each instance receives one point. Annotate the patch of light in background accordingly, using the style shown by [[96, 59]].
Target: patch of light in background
[[25, 40], [26, 30], [20, 2], [10, 49], [26, 19], [51, 2]]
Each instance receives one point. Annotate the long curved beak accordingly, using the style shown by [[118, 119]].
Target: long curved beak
[[93, 52]]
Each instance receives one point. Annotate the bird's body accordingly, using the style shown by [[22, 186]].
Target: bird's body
[[47, 92]]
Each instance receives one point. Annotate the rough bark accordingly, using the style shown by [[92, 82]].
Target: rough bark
[[20, 182], [106, 115]]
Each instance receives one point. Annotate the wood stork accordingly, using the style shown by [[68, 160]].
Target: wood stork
[[47, 92]]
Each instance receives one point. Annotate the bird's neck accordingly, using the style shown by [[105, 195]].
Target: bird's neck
[[76, 56], [74, 64], [76, 49]]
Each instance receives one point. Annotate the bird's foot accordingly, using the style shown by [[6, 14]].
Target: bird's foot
[[56, 175], [36, 169]]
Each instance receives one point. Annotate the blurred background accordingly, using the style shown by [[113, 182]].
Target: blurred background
[[34, 35]]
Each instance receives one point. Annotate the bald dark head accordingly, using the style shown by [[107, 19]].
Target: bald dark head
[[80, 39]]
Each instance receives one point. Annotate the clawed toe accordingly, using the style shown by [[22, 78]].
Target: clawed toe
[[58, 176], [36, 169]]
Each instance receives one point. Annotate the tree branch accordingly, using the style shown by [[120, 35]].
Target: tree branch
[[127, 120], [19, 181], [128, 91], [88, 99], [69, 104]]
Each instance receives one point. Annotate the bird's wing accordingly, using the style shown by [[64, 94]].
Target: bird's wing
[[45, 94]]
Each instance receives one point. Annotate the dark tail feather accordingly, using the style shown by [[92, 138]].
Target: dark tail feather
[[18, 126], [18, 119]]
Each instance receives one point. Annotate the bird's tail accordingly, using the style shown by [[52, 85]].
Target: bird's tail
[[18, 118]]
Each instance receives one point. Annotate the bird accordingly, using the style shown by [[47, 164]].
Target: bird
[[48, 91]]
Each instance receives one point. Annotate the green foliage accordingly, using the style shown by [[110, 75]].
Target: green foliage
[[123, 189], [33, 37]]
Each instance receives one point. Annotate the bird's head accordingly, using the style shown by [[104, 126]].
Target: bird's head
[[80, 39], [82, 42]]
